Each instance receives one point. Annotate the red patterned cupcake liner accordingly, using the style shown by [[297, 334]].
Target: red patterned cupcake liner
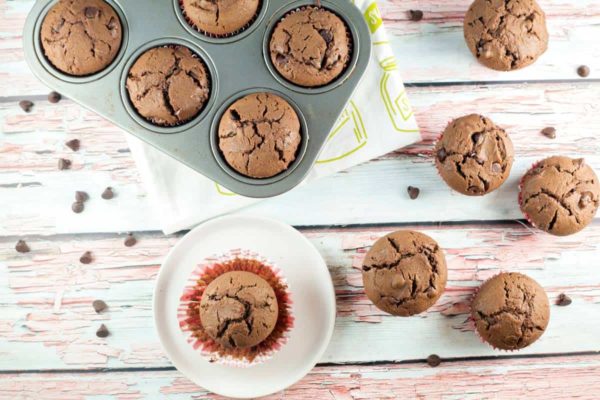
[[188, 312]]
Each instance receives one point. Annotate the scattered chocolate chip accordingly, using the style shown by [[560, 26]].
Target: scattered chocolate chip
[[99, 306], [73, 144], [91, 12], [63, 164], [102, 332], [77, 207], [86, 258], [108, 193], [496, 168], [415, 15], [26, 105], [22, 247], [434, 360], [549, 132], [583, 71], [81, 197], [563, 300], [326, 35], [441, 155], [54, 97], [130, 240], [586, 199], [413, 192], [235, 116]]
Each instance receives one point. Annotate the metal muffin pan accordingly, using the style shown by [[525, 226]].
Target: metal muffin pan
[[195, 143]]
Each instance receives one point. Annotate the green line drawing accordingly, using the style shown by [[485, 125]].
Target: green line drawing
[[351, 115], [224, 192], [373, 18], [397, 105]]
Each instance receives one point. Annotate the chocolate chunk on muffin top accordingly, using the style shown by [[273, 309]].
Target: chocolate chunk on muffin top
[[311, 47], [506, 34], [259, 135], [560, 195], [220, 17], [81, 37], [168, 85], [404, 273], [239, 310], [474, 156], [510, 311]]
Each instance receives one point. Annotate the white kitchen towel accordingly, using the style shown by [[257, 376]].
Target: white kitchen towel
[[377, 120]]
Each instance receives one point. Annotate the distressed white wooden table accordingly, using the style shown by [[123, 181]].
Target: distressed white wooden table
[[48, 347]]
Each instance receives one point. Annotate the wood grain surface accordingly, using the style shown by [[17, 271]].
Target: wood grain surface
[[48, 347]]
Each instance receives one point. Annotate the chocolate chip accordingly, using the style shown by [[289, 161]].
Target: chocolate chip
[[585, 199], [563, 300], [235, 116], [496, 168], [26, 105], [77, 207], [54, 97], [112, 24], [415, 15], [549, 132], [91, 12], [99, 306], [477, 138], [326, 35], [102, 332], [434, 360], [22, 247], [583, 71], [108, 193], [441, 155], [413, 192], [73, 144], [63, 164], [86, 258], [130, 240], [81, 197], [281, 59]]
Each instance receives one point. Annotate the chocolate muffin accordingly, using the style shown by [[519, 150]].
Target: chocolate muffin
[[511, 311], [506, 34], [311, 47], [239, 310], [81, 37], [474, 156], [259, 135], [560, 195], [168, 85], [404, 273], [220, 17]]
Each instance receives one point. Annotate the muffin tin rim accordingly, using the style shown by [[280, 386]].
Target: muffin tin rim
[[192, 123], [63, 76], [254, 24], [222, 162], [295, 6]]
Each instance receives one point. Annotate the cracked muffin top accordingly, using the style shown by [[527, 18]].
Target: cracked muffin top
[[220, 17], [239, 310], [259, 135], [404, 273], [81, 37], [511, 311], [506, 34], [474, 156], [168, 85], [311, 47], [560, 195]]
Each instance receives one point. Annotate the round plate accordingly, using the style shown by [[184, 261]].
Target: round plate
[[312, 293]]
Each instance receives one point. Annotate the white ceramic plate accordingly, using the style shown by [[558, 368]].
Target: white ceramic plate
[[313, 305]]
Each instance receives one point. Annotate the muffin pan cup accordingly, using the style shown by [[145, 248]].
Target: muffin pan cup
[[238, 65]]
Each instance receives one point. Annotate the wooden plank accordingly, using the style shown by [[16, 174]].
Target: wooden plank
[[555, 378], [373, 193], [432, 50], [47, 320]]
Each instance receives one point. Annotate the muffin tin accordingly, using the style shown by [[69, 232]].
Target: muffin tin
[[238, 65]]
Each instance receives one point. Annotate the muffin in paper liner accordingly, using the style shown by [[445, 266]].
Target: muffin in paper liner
[[233, 33], [188, 312], [472, 319]]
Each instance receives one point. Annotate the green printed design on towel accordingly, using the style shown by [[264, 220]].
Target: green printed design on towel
[[396, 104], [373, 17], [351, 115], [224, 192]]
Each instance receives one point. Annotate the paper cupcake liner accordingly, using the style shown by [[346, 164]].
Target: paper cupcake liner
[[227, 35], [189, 316]]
